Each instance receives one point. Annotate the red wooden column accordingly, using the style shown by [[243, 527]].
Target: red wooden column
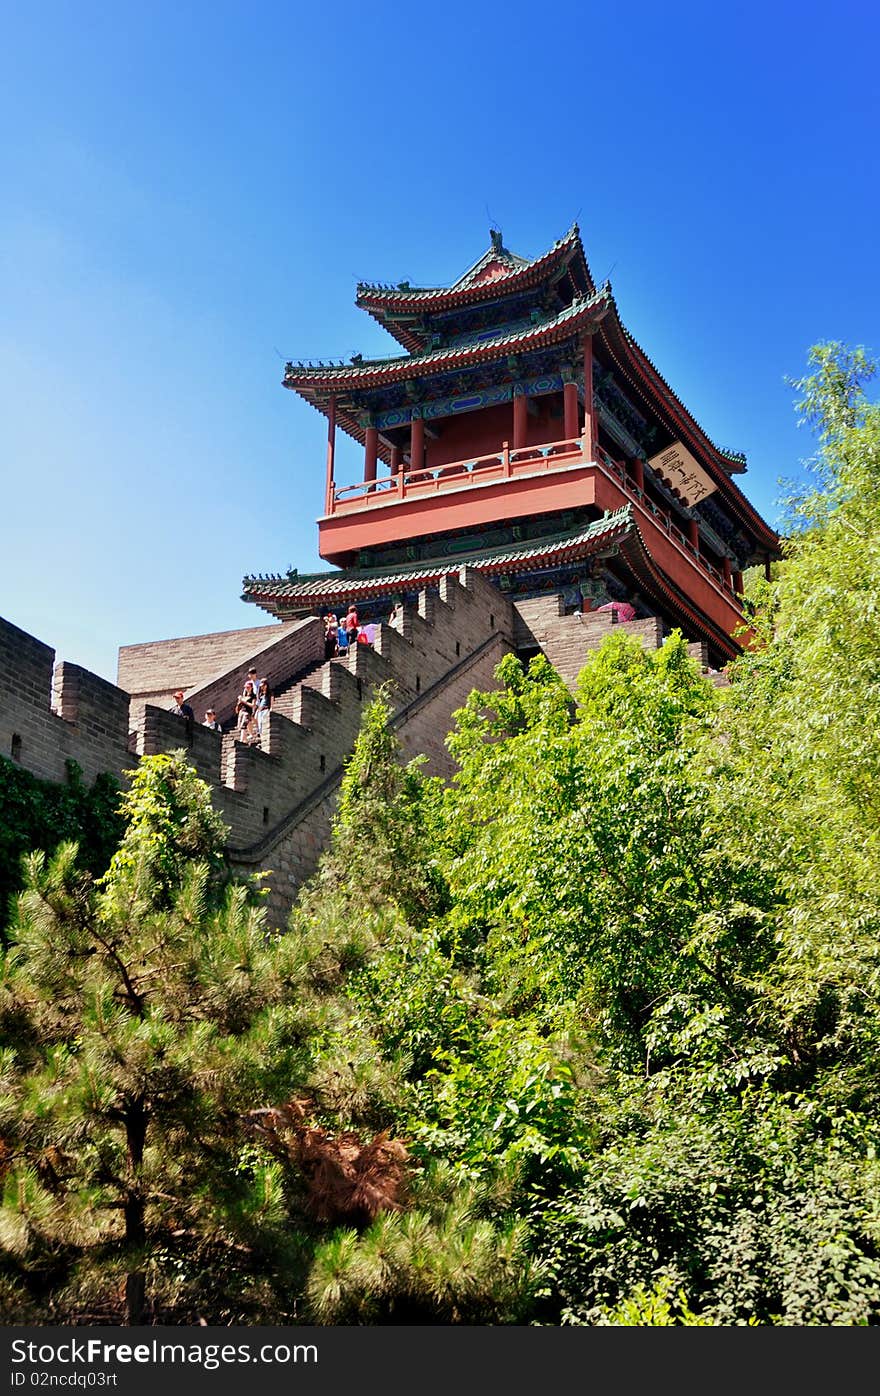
[[395, 459], [767, 573], [371, 448], [637, 469], [726, 572], [694, 533], [417, 444], [520, 420], [589, 418], [331, 456], [570, 410], [738, 584]]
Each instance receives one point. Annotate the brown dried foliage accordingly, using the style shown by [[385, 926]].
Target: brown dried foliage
[[346, 1179]]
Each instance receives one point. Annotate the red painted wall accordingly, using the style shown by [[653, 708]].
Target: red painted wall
[[672, 559], [485, 431], [472, 434], [450, 509]]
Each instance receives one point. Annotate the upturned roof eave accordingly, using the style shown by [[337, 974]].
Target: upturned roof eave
[[465, 291], [383, 302], [270, 592], [665, 403], [378, 372]]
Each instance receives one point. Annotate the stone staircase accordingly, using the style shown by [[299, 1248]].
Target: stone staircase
[[283, 696]]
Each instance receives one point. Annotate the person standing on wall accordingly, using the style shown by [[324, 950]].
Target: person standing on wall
[[331, 632], [264, 703], [182, 709], [351, 624], [245, 707]]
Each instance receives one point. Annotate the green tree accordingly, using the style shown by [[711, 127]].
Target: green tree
[[800, 760], [38, 813], [381, 848], [142, 1015]]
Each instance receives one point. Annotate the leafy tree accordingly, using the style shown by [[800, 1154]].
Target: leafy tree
[[742, 1172], [592, 871], [800, 761], [142, 1015], [37, 813], [380, 851]]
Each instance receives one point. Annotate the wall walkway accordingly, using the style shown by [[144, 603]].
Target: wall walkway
[[278, 799]]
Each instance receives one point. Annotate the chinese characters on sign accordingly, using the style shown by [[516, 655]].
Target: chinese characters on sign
[[678, 468]]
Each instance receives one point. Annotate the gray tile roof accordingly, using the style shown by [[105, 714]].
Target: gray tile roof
[[376, 581], [404, 365]]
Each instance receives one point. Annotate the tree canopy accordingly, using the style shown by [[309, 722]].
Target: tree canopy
[[590, 1035]]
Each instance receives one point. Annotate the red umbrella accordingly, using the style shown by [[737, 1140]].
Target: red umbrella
[[624, 610]]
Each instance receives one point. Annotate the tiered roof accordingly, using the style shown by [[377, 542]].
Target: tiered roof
[[409, 314], [401, 309], [616, 533], [317, 382], [291, 592]]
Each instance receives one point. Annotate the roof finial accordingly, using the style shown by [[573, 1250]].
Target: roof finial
[[495, 236]]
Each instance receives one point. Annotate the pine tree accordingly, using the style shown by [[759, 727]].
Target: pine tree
[[142, 1015]]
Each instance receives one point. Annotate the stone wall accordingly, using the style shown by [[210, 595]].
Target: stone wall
[[154, 670], [290, 851], [276, 799], [52, 714], [568, 640], [299, 645]]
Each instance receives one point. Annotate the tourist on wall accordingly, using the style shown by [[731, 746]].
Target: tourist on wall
[[245, 708], [351, 624], [211, 720], [331, 632], [264, 703], [182, 709], [342, 640]]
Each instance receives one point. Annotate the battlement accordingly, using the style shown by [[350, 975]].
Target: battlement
[[568, 640], [278, 798], [54, 713]]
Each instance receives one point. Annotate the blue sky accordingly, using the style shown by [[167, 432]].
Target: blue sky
[[189, 194]]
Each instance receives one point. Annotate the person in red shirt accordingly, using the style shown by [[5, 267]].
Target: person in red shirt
[[351, 625]]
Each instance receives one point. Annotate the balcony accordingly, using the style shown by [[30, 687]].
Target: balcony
[[465, 494], [481, 470], [521, 483]]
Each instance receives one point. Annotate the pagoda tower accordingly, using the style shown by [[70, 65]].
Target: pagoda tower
[[523, 432]]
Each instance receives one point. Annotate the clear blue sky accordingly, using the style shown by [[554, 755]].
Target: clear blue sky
[[189, 193]]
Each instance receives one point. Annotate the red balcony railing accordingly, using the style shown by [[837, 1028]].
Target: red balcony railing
[[500, 465], [508, 464]]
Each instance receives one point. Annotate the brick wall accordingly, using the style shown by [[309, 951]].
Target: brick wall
[[568, 640], [290, 851], [298, 644], [89, 725], [278, 800], [161, 666]]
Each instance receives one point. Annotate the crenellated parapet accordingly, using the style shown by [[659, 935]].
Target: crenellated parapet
[[278, 798], [51, 714]]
